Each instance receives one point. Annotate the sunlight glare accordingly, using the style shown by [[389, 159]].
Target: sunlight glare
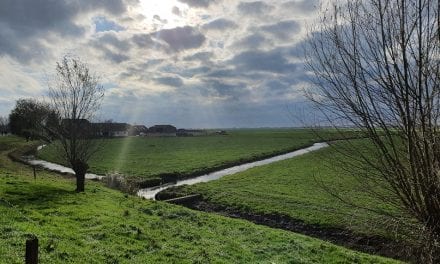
[[163, 9]]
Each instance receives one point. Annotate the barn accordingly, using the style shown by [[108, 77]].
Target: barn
[[162, 131], [112, 129]]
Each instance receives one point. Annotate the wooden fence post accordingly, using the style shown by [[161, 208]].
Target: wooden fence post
[[32, 251], [35, 172]]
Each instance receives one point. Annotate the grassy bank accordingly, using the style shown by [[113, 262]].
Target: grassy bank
[[106, 226], [295, 188], [150, 158]]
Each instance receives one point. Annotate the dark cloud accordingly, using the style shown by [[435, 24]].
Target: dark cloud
[[265, 61], [113, 48], [115, 7], [112, 39], [141, 70], [169, 81], [218, 88], [115, 57], [176, 11], [302, 6], [199, 3], [143, 40], [277, 88], [20, 48], [220, 24], [176, 39], [298, 49], [181, 38], [152, 63], [159, 19], [254, 8], [191, 72], [283, 30], [253, 41], [24, 23], [237, 73], [199, 56], [223, 73]]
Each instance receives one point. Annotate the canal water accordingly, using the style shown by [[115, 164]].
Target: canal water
[[150, 193]]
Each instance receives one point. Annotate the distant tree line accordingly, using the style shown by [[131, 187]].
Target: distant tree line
[[31, 118], [4, 125]]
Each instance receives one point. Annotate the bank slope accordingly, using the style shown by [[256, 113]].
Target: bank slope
[[106, 226]]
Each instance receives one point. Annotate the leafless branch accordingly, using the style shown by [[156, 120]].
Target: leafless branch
[[377, 66]]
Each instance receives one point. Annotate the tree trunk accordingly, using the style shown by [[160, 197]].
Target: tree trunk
[[80, 168], [80, 182]]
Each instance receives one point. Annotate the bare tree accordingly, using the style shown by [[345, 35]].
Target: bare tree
[[76, 96], [377, 66]]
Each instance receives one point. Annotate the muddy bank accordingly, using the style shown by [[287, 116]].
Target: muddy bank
[[18, 153], [368, 244]]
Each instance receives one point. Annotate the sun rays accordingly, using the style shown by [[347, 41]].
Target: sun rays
[[166, 13]]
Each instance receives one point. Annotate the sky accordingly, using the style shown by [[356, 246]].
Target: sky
[[190, 63]]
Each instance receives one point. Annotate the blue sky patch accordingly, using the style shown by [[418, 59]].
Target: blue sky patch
[[102, 25]]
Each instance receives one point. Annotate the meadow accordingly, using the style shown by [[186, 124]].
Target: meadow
[[107, 226], [154, 157], [314, 188]]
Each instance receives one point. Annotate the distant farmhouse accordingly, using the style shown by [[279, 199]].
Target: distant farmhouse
[[162, 131], [138, 130], [110, 129], [107, 129], [67, 123], [82, 127], [120, 129]]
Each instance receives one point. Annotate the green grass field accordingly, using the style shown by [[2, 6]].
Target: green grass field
[[106, 226], [184, 156], [296, 188]]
